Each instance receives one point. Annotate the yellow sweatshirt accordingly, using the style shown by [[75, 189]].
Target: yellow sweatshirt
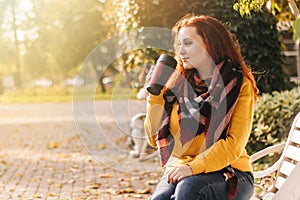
[[230, 151]]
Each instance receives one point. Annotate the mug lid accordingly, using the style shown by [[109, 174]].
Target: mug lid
[[168, 60]]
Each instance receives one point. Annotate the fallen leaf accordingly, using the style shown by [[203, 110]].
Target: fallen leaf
[[105, 175], [50, 181], [125, 179], [102, 146], [136, 178], [37, 196], [125, 191], [95, 186], [59, 185], [52, 145], [50, 194], [32, 180], [64, 155], [87, 180], [75, 166], [86, 190], [75, 169], [145, 191], [72, 181], [137, 196], [73, 138], [112, 191], [3, 162], [44, 158], [152, 182]]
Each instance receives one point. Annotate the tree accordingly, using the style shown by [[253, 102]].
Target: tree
[[10, 20], [257, 34], [6, 49], [54, 37], [17, 44], [286, 12], [68, 31]]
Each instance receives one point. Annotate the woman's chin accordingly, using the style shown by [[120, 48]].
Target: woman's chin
[[188, 66]]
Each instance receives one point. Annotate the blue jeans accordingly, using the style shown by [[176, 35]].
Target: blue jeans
[[210, 186]]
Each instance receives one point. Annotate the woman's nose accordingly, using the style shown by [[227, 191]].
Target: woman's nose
[[181, 50]]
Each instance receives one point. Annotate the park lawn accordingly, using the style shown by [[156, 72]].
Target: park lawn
[[63, 94]]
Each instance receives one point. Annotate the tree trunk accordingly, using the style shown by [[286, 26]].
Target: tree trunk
[[17, 75]]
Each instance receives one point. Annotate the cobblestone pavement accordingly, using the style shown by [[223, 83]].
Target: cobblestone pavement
[[42, 156]]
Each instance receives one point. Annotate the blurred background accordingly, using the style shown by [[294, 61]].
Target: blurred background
[[44, 43]]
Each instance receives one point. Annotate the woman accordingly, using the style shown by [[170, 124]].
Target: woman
[[202, 119]]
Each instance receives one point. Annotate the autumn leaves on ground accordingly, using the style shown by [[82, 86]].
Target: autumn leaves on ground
[[42, 156]]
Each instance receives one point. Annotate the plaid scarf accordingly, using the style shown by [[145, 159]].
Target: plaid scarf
[[201, 109]]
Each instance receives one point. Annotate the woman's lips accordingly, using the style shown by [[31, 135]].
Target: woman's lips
[[184, 59]]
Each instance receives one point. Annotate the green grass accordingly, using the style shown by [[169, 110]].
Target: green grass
[[64, 94]]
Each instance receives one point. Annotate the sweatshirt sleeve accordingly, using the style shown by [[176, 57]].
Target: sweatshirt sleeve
[[155, 109], [225, 151]]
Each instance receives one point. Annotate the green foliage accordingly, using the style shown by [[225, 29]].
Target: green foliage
[[244, 7], [273, 116], [58, 35], [262, 49], [257, 34], [259, 42], [296, 35]]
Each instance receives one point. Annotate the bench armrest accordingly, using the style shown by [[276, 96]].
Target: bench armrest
[[265, 152]]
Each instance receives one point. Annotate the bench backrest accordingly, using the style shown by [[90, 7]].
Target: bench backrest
[[290, 155]]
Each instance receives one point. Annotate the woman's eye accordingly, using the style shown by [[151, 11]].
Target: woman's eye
[[184, 43], [187, 43]]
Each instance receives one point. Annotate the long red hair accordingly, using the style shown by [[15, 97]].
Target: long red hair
[[218, 40]]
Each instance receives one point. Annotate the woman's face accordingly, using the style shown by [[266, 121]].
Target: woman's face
[[192, 51]]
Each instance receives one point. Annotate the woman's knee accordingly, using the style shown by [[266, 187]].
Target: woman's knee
[[188, 188], [163, 190], [200, 187]]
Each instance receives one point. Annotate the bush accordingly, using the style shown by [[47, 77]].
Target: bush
[[273, 116], [259, 41]]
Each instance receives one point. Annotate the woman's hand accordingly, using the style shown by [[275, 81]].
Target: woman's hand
[[179, 172]]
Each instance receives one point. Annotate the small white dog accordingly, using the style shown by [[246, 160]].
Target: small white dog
[[137, 135]]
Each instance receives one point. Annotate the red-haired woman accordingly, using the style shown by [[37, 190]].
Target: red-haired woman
[[201, 121]]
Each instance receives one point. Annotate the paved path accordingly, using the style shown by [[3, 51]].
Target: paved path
[[44, 154]]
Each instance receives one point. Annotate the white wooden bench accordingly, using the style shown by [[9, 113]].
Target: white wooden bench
[[271, 180]]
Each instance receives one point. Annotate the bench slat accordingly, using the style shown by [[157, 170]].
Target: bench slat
[[286, 168], [297, 124], [293, 152], [279, 182], [296, 137]]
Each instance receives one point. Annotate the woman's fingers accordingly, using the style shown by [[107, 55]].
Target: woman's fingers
[[174, 175], [179, 172], [171, 175]]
